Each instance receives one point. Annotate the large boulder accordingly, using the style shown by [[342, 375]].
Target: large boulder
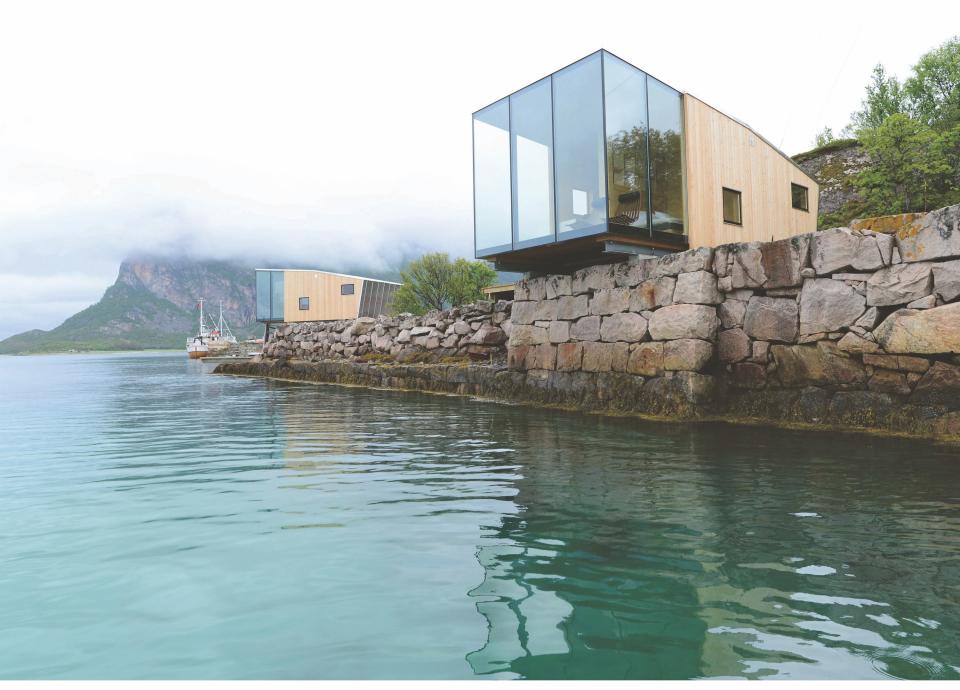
[[699, 259], [526, 335], [586, 328], [558, 286], [925, 332], [939, 386], [934, 236], [828, 305], [697, 287], [599, 277], [732, 312], [646, 359], [772, 318], [733, 346], [684, 321], [686, 354], [900, 284], [839, 248], [488, 335], [946, 280], [610, 300], [570, 307], [821, 364], [783, 261], [625, 327], [746, 269]]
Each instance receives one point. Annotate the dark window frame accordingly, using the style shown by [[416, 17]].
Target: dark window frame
[[344, 291], [806, 197], [303, 303], [739, 206]]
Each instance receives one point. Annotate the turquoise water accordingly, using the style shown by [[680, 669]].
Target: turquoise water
[[157, 521]]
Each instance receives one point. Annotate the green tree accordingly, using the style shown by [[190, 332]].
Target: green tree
[[885, 97], [434, 282], [824, 137], [909, 168], [934, 87]]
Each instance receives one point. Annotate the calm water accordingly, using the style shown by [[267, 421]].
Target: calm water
[[160, 522]]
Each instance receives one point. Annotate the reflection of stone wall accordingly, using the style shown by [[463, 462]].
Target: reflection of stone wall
[[834, 328], [473, 330]]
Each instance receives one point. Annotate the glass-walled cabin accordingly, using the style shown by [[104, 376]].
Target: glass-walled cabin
[[595, 149]]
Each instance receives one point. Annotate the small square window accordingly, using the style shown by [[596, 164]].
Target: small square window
[[304, 303], [798, 195], [346, 289], [732, 207]]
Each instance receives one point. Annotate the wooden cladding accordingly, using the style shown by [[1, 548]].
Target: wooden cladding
[[325, 299], [722, 153]]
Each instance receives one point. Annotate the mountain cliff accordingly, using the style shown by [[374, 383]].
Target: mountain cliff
[[152, 304]]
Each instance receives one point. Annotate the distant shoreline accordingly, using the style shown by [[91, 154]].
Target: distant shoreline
[[88, 352]]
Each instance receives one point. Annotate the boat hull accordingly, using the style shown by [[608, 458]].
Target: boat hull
[[197, 354]]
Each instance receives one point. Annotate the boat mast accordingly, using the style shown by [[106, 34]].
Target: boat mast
[[201, 319], [220, 326]]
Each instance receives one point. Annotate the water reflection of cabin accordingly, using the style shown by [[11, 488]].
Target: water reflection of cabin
[[292, 295], [600, 160]]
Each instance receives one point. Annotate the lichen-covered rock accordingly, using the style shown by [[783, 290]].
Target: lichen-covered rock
[[746, 269], [697, 287], [625, 327], [699, 259], [686, 354], [632, 272], [821, 364], [748, 375], [593, 278], [930, 331], [934, 236], [542, 356], [772, 318], [558, 286], [899, 284], [733, 345], [586, 328], [609, 301], [940, 385], [828, 305], [684, 321], [887, 381], [915, 365]]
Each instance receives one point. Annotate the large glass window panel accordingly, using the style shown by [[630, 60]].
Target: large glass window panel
[[666, 157], [276, 295], [263, 295], [531, 130], [491, 178], [625, 96], [578, 148]]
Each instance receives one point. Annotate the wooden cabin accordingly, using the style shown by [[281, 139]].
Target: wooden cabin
[[292, 295], [601, 160]]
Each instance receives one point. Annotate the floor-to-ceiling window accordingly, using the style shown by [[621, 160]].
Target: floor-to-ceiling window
[[491, 178], [625, 100], [531, 130], [666, 157], [578, 148]]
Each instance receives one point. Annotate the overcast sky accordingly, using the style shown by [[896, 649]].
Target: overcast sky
[[336, 133]]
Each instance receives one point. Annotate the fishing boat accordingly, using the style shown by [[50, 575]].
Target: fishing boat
[[211, 340]]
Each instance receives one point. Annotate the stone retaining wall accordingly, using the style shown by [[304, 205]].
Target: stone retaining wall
[[836, 310], [472, 331]]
